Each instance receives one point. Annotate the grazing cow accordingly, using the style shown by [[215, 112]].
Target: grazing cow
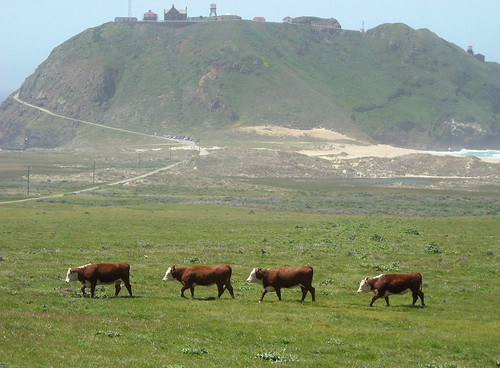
[[191, 276], [396, 284], [274, 279], [101, 273]]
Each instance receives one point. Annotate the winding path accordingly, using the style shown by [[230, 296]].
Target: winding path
[[202, 151]]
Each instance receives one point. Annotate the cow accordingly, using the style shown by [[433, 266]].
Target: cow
[[395, 284], [191, 276], [93, 274], [274, 279]]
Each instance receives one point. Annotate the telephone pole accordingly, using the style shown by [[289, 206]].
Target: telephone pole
[[28, 180]]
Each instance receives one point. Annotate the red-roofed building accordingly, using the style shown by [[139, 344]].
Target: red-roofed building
[[150, 16], [259, 19]]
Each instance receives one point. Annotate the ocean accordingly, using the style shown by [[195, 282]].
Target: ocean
[[490, 154]]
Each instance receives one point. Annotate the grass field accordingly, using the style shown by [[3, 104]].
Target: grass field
[[46, 322]]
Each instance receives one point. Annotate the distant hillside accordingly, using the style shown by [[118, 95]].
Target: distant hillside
[[391, 84]]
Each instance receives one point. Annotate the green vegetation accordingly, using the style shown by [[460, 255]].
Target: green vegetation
[[252, 202], [393, 84], [47, 322]]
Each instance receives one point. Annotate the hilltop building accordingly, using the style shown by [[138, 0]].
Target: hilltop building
[[174, 14], [150, 16], [470, 51], [125, 19]]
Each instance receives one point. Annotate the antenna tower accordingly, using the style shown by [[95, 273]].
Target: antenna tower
[[213, 9], [130, 8]]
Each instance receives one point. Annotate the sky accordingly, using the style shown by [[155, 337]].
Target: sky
[[31, 29]]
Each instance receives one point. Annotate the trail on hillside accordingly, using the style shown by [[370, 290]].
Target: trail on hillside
[[202, 152]]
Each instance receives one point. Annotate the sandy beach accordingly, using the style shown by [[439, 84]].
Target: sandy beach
[[336, 145]]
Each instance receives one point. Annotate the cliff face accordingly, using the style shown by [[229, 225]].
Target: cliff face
[[391, 84]]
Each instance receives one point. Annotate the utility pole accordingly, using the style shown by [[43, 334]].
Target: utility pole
[[93, 174], [129, 8], [28, 180]]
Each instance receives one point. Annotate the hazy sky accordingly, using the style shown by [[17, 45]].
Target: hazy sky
[[30, 29]]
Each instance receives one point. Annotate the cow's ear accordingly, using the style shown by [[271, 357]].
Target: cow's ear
[[366, 278], [258, 270]]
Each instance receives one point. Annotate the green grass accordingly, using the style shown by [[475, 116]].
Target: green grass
[[45, 322]]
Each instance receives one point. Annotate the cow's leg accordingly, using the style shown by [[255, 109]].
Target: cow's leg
[[92, 288], [387, 300], [304, 292], [374, 298], [83, 289], [421, 295], [192, 292], [184, 288], [230, 288], [415, 297], [129, 287], [220, 290], [278, 292], [117, 288], [313, 293], [264, 292]]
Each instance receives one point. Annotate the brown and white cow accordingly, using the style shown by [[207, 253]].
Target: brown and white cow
[[395, 284], [191, 276], [93, 274], [274, 279]]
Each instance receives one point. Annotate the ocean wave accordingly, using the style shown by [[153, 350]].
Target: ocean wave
[[487, 153]]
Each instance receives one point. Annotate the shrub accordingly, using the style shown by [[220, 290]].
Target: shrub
[[108, 333], [194, 351], [277, 357], [432, 248]]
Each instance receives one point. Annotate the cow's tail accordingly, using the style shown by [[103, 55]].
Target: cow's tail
[[421, 282]]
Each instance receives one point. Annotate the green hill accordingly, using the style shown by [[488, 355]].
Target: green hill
[[391, 84]]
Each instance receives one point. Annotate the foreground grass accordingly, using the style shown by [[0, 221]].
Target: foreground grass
[[45, 322]]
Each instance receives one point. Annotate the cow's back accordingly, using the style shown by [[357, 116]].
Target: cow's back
[[399, 282], [291, 276], [206, 275], [109, 272]]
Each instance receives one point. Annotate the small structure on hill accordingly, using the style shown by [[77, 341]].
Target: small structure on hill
[[287, 20], [125, 19], [259, 19], [470, 51], [318, 22], [174, 14], [150, 16], [213, 10]]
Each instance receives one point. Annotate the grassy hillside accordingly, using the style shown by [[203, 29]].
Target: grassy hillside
[[45, 322], [392, 83]]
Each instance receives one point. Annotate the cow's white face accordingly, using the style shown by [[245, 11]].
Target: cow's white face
[[71, 275], [364, 287], [253, 277], [168, 275]]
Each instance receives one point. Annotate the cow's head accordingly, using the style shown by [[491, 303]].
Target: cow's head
[[169, 275], [72, 275], [255, 276], [364, 286]]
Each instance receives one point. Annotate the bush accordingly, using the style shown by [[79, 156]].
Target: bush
[[277, 357], [432, 248], [194, 351]]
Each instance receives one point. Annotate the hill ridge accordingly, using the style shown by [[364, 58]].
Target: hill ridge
[[391, 84]]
